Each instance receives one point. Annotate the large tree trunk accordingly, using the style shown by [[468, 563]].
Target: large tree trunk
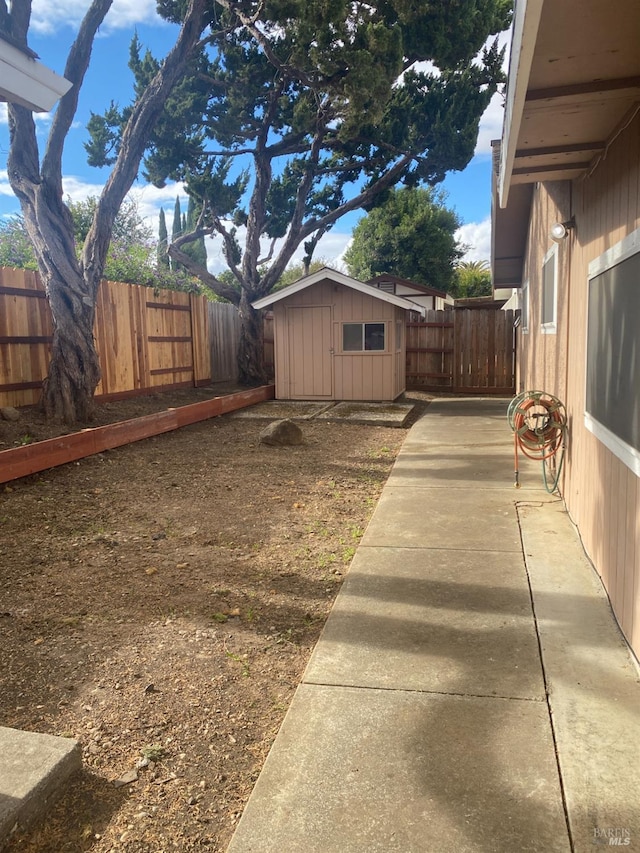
[[74, 370], [251, 346], [71, 285]]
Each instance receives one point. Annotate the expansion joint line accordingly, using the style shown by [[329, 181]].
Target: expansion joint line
[[563, 793]]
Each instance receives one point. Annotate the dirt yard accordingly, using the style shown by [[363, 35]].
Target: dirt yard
[[159, 603]]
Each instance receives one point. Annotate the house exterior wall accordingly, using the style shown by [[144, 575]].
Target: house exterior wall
[[602, 493], [310, 363]]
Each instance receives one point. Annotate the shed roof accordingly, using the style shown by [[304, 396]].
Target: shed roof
[[414, 285], [574, 83], [339, 278]]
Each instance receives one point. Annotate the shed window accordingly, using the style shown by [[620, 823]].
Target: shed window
[[357, 337], [612, 411], [549, 291]]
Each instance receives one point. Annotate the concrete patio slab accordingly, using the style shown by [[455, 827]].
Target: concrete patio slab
[[434, 517], [378, 414], [462, 466], [431, 620], [280, 409], [393, 772], [471, 690], [33, 768]]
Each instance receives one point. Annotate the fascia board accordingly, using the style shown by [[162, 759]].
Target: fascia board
[[27, 82], [526, 22]]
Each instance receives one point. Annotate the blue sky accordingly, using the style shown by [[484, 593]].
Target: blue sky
[[108, 78]]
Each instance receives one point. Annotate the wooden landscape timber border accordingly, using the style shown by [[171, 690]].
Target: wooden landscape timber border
[[22, 461]]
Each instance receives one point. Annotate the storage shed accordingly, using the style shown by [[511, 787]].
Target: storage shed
[[337, 338]]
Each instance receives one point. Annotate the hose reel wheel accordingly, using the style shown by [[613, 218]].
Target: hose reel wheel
[[539, 423]]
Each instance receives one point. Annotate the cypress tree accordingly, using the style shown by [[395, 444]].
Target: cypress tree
[[163, 240], [176, 228]]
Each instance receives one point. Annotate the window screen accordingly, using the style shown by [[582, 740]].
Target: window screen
[[357, 337], [524, 311], [548, 317], [613, 352]]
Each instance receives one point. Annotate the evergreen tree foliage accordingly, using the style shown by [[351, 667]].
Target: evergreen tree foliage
[[411, 235], [176, 226], [132, 256], [197, 250], [163, 240], [472, 278], [299, 112]]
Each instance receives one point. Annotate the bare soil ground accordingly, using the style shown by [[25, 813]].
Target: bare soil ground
[[159, 603]]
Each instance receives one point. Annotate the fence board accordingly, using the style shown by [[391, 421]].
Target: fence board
[[224, 326], [128, 318], [24, 313], [200, 340]]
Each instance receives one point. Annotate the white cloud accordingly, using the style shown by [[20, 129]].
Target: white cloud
[[476, 235], [5, 187], [48, 18], [490, 125], [41, 119]]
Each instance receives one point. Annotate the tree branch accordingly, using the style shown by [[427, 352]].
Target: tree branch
[[135, 136], [75, 70], [223, 290]]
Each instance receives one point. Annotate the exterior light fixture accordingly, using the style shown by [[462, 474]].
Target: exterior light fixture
[[560, 230]]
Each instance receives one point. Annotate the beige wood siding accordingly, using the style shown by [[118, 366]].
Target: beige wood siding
[[602, 494], [310, 363]]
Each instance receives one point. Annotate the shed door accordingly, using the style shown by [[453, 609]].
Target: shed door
[[310, 352]]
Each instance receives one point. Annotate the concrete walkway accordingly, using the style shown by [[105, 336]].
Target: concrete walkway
[[471, 690]]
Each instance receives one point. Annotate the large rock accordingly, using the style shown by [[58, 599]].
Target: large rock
[[281, 434], [8, 413]]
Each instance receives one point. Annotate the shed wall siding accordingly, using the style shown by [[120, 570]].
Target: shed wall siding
[[308, 354], [601, 493]]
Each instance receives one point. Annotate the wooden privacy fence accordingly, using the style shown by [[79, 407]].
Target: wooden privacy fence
[[463, 351], [147, 340], [224, 324]]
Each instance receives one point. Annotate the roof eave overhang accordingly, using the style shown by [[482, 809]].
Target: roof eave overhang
[[526, 22], [338, 278], [27, 82]]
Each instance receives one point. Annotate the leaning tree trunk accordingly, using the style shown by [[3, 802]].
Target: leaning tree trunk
[[74, 370], [251, 345]]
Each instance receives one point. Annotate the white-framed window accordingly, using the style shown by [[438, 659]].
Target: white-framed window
[[549, 300], [363, 337], [612, 410], [524, 307]]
